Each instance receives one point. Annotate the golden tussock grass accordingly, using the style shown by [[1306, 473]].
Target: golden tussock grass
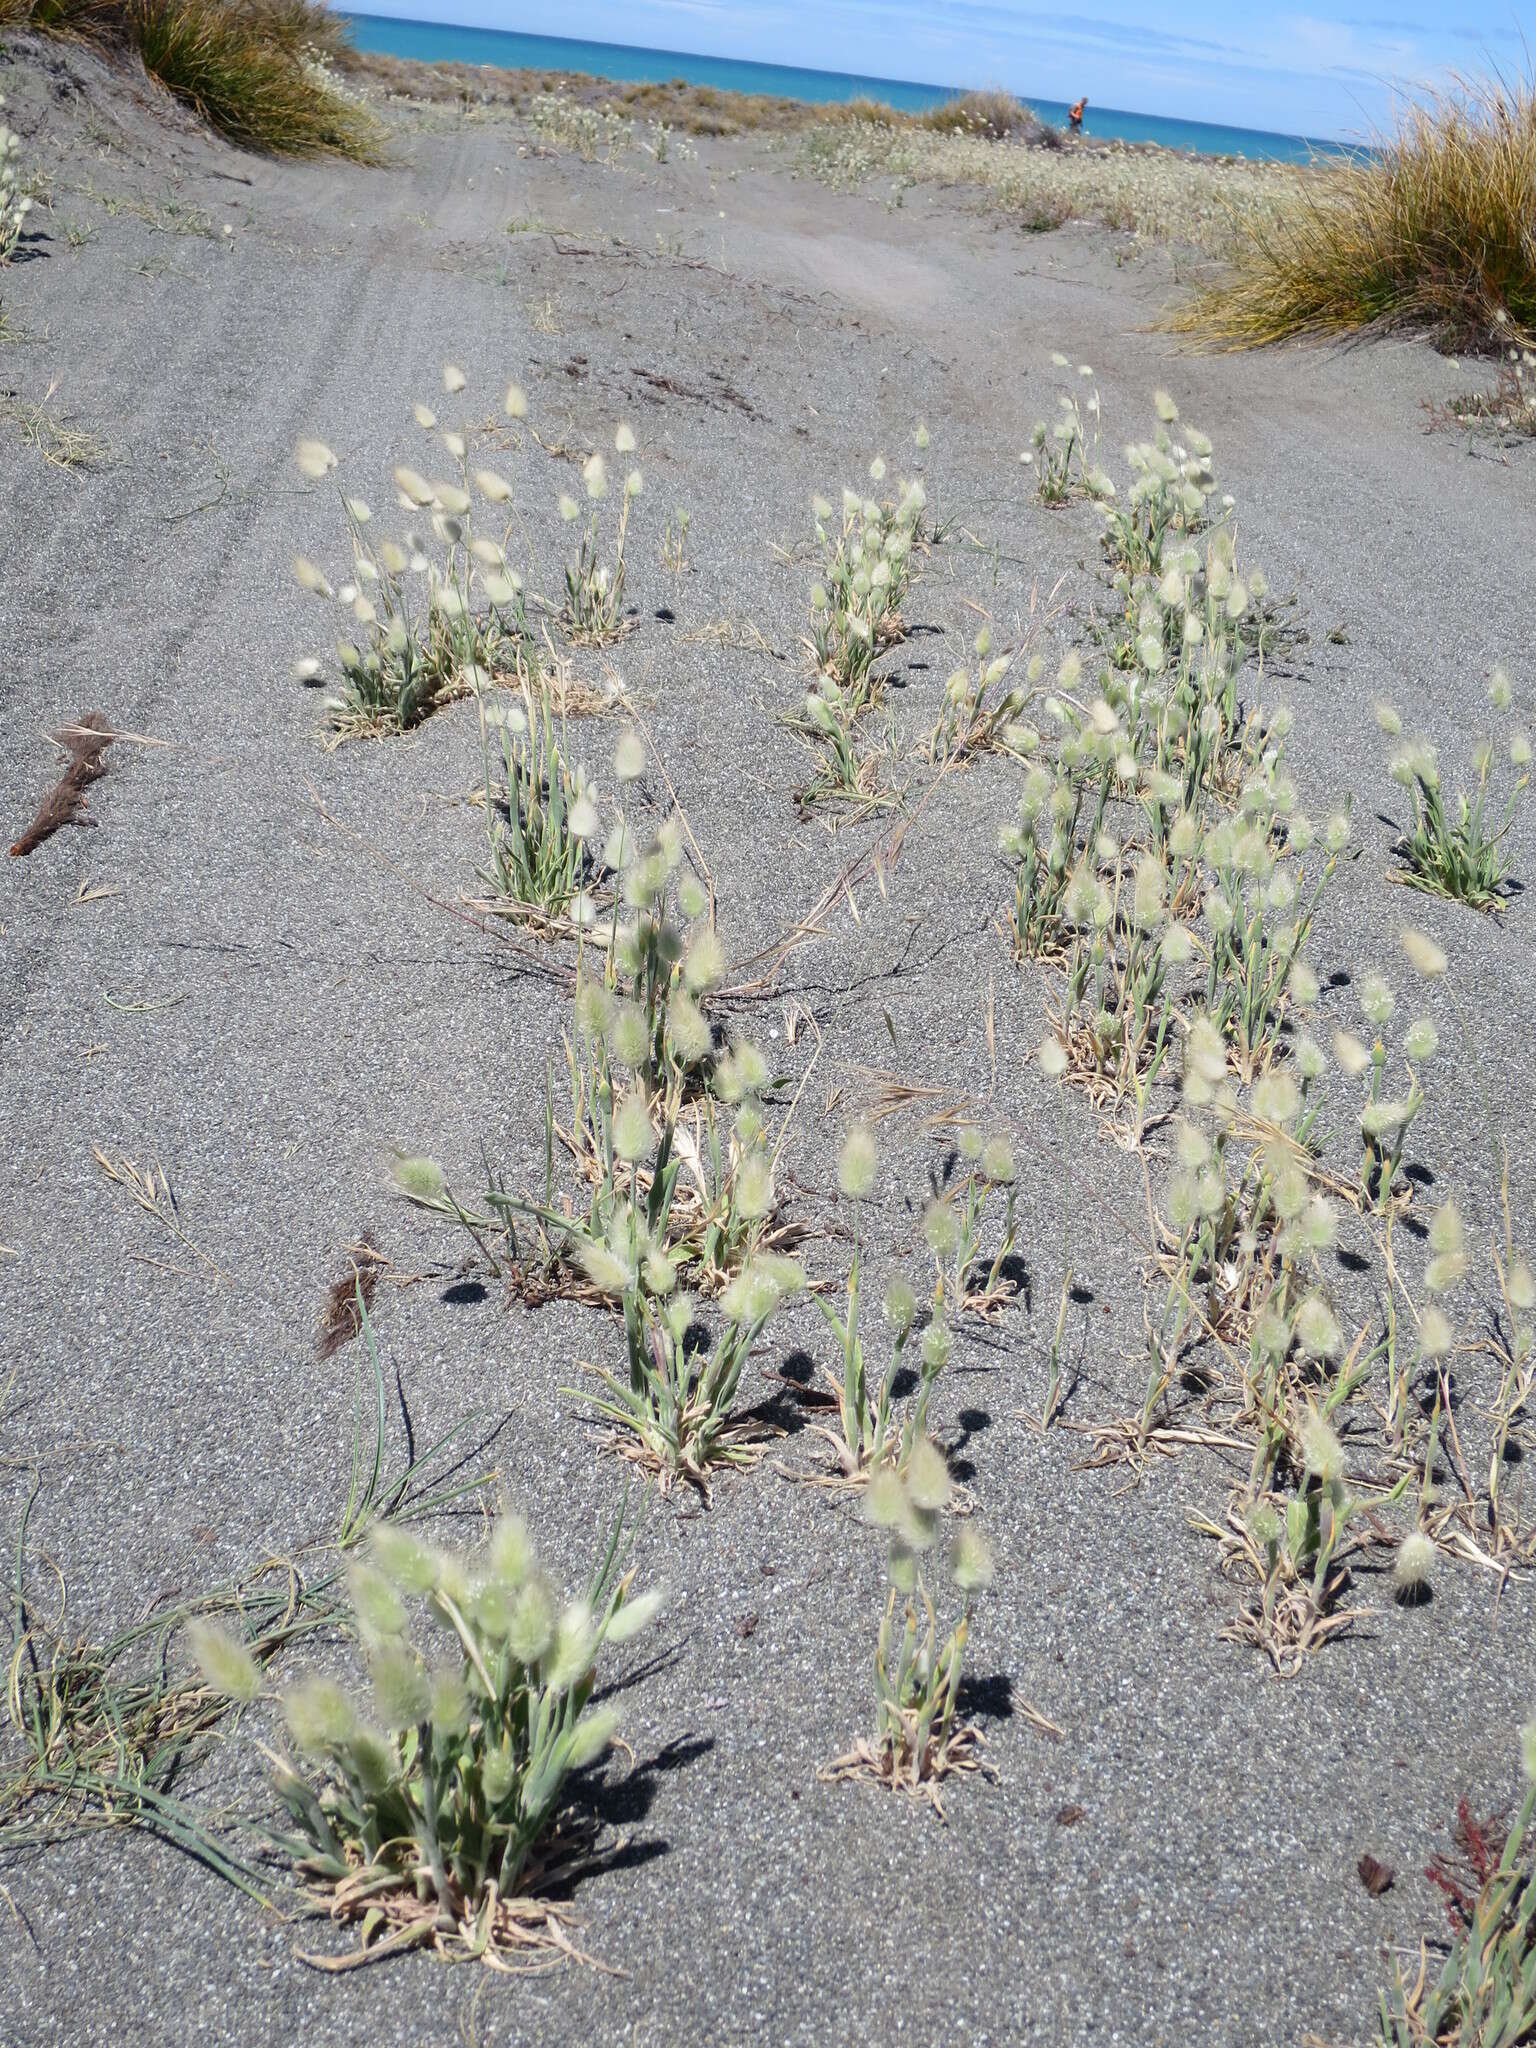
[[257, 71], [1436, 229]]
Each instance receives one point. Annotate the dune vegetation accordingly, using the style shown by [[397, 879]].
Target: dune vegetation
[[258, 71], [1435, 229]]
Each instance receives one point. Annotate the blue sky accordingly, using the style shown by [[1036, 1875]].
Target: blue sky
[[1324, 68]]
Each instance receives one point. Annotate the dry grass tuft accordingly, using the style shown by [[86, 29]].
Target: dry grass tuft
[[1432, 231], [996, 115]]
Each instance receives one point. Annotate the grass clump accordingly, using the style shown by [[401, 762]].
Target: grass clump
[[440, 610], [1485, 1993], [865, 572], [254, 70], [1157, 830], [870, 1435], [1458, 853], [993, 115], [541, 817], [674, 1412], [918, 1739], [429, 1817], [1431, 230], [1071, 440], [666, 1132], [594, 589]]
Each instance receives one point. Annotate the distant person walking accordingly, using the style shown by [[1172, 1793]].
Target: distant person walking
[[1075, 115]]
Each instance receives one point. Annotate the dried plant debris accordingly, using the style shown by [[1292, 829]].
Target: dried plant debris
[[349, 1297], [1483, 1992], [85, 745]]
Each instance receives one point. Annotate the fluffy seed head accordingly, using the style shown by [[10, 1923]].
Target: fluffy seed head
[[320, 1717], [1424, 955], [857, 1163], [419, 1179], [227, 1666], [1317, 1331], [970, 1561], [632, 1132], [928, 1479], [377, 1605], [1322, 1453], [1414, 1562], [400, 1689], [314, 459], [900, 1304], [629, 757]]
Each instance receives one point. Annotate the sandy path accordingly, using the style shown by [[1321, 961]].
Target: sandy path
[[308, 1007]]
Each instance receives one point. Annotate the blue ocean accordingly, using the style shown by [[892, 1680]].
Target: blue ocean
[[433, 42]]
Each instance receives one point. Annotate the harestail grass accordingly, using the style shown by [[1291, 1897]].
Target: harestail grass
[[15, 204], [1458, 851], [1065, 455], [919, 1739], [541, 814], [674, 1173], [441, 611], [865, 572], [1506, 410], [675, 1412], [594, 588], [872, 1433], [429, 1817]]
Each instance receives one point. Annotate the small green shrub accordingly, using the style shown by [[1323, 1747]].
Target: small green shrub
[[435, 1803]]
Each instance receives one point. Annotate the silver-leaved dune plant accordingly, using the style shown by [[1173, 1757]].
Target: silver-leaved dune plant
[[427, 1811]]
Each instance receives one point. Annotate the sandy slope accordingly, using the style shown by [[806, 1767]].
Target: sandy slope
[[284, 916]]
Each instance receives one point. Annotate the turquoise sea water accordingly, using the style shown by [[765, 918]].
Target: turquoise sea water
[[438, 42]]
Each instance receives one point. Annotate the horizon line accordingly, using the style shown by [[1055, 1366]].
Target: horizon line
[[1330, 143]]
